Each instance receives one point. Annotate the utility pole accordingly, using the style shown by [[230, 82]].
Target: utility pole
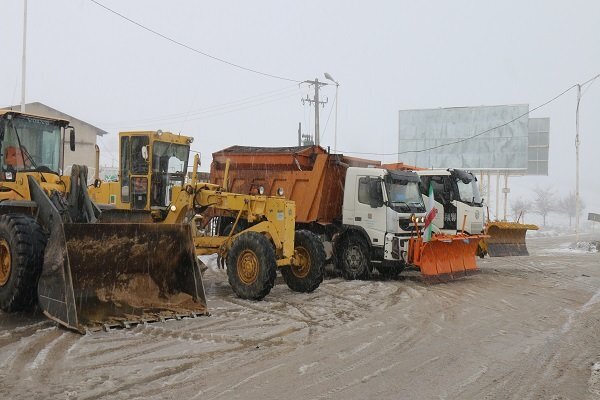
[[577, 202], [337, 87], [24, 56], [317, 103]]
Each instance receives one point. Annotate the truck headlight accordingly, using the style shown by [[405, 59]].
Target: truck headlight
[[261, 190]]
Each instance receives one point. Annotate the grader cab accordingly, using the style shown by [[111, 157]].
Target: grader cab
[[252, 234], [55, 252]]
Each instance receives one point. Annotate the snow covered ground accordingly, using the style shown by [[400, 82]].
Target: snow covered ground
[[524, 328]]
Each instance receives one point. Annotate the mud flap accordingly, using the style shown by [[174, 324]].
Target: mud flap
[[507, 239], [445, 257], [110, 274]]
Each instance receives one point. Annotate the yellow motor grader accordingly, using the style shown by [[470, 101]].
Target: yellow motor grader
[[55, 251], [252, 233]]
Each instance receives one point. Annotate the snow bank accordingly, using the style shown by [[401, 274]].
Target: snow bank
[[578, 248]]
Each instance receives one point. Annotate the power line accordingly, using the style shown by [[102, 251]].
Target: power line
[[192, 48], [328, 116], [216, 113], [480, 133], [204, 110]]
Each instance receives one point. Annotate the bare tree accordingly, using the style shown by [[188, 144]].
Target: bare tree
[[519, 208], [568, 206], [543, 202]]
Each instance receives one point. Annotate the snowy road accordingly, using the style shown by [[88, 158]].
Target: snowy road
[[524, 328]]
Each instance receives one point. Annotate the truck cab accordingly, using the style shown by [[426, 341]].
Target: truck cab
[[457, 199], [380, 204]]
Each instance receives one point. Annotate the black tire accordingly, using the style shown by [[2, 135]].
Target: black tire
[[24, 240], [229, 227], [389, 270], [352, 258], [307, 277], [251, 266]]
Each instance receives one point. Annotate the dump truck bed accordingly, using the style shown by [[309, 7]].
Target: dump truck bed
[[308, 175]]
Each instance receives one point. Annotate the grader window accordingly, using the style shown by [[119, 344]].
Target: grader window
[[125, 161], [139, 166]]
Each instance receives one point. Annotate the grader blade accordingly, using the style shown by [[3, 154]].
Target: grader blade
[[108, 274], [507, 239], [445, 257]]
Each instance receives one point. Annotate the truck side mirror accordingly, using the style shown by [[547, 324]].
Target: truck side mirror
[[71, 138], [375, 193]]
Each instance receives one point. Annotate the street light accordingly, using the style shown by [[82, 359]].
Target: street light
[[337, 86]]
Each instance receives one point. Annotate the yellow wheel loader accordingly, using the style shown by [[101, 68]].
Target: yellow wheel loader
[[252, 234], [55, 252]]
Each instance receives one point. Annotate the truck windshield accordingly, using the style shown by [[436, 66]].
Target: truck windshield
[[404, 196], [468, 191], [30, 143]]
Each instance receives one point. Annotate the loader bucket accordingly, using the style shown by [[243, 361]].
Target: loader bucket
[[100, 275], [507, 239], [445, 257]]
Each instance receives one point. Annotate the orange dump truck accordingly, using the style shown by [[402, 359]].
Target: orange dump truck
[[365, 214]]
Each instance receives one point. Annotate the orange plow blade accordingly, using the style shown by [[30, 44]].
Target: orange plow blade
[[444, 257]]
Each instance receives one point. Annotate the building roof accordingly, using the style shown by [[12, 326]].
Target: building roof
[[49, 111]]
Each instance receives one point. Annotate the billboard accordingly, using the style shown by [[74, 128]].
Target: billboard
[[538, 146], [485, 137]]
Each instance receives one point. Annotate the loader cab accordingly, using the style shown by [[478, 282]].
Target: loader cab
[[151, 165], [29, 143]]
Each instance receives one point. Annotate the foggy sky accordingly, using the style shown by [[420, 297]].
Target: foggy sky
[[386, 55]]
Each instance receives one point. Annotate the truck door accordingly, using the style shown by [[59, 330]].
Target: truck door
[[369, 209]]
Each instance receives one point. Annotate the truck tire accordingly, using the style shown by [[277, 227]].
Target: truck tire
[[352, 257], [251, 266], [22, 244], [308, 275], [389, 270]]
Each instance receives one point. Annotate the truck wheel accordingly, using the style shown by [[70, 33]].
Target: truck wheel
[[22, 243], [308, 274], [251, 266], [353, 258], [389, 271]]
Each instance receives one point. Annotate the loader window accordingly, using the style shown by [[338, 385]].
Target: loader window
[[30, 143]]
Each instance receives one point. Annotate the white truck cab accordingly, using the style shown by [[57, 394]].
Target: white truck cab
[[380, 203], [457, 199]]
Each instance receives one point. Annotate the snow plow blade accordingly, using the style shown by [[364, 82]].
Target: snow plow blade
[[101, 275], [507, 239], [444, 257]]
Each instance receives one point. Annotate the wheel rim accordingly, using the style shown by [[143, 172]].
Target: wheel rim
[[5, 262], [302, 267], [354, 258], [247, 267]]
